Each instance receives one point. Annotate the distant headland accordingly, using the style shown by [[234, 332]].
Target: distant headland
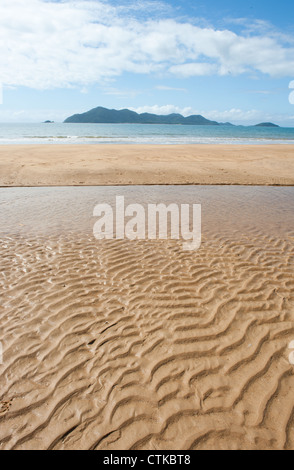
[[102, 115], [126, 116], [266, 124]]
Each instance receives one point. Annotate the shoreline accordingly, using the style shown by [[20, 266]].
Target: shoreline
[[115, 164], [153, 185]]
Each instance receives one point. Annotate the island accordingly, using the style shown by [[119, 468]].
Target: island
[[48, 122], [126, 116], [266, 124], [102, 115]]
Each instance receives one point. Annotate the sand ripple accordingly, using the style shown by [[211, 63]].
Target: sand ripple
[[140, 345]]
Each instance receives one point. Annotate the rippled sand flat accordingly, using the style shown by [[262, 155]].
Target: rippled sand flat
[[119, 344]]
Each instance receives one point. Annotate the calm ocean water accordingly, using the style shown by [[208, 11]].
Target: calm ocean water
[[141, 134]]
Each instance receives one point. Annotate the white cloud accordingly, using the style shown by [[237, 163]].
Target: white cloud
[[246, 117], [163, 110], [261, 27], [47, 44], [233, 115]]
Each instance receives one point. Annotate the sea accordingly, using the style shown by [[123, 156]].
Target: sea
[[165, 134]]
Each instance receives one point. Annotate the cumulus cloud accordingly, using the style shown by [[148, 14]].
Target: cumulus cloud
[[163, 110], [48, 44], [246, 117], [233, 115]]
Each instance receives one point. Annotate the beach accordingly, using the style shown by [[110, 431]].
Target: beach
[[146, 228], [84, 165], [120, 344]]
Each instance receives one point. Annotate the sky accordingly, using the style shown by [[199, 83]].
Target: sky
[[228, 60]]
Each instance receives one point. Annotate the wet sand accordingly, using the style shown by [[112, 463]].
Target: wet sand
[[83, 165], [118, 344]]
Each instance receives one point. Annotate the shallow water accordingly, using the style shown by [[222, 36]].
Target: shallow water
[[62, 133], [225, 209]]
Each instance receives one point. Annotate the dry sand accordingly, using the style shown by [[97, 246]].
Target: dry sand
[[64, 165], [140, 345]]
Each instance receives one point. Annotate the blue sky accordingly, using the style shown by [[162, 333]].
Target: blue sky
[[227, 60]]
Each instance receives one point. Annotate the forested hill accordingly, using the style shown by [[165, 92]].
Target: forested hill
[[125, 116]]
